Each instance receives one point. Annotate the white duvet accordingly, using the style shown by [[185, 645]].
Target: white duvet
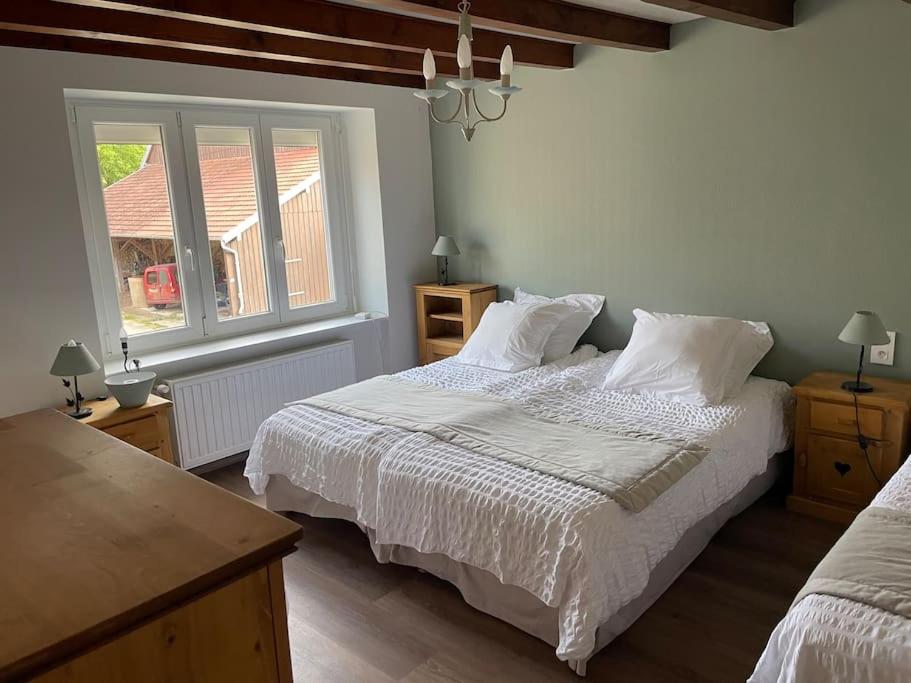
[[574, 549], [824, 639]]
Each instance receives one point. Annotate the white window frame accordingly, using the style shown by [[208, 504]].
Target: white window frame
[[100, 241], [190, 121], [328, 130], [177, 122]]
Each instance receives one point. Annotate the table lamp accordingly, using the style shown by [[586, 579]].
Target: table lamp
[[72, 360], [446, 246], [863, 329]]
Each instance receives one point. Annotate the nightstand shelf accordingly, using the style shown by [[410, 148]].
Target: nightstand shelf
[[450, 339], [447, 315], [832, 476], [453, 317]]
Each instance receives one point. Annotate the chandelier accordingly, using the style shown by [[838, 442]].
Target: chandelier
[[468, 114]]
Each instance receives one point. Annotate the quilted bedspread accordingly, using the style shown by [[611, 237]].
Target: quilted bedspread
[[573, 548], [826, 639]]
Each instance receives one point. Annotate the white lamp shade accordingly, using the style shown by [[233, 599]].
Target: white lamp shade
[[430, 66], [463, 54], [506, 62], [74, 359], [445, 246], [864, 328]]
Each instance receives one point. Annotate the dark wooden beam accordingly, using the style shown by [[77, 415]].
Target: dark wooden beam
[[550, 19], [345, 23], [170, 54], [54, 18], [766, 14]]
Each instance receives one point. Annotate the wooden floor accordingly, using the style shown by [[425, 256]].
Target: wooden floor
[[353, 620]]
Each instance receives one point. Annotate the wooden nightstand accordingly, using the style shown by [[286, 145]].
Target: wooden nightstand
[[447, 315], [147, 427], [831, 477]]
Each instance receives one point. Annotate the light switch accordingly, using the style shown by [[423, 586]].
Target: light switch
[[884, 354]]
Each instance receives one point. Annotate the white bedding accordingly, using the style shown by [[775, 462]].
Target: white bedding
[[824, 639], [573, 548]]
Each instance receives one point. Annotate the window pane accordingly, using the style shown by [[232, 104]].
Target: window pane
[[232, 221], [300, 196], [137, 202]]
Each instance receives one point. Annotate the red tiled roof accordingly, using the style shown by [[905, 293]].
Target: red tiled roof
[[137, 205]]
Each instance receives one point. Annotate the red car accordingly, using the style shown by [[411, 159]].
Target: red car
[[161, 285]]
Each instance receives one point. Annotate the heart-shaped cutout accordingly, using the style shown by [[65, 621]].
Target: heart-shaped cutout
[[842, 468]]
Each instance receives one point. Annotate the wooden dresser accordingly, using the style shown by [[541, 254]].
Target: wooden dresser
[[447, 315], [120, 567], [147, 427], [832, 479]]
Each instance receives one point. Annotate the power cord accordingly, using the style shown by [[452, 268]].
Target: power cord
[[862, 441]]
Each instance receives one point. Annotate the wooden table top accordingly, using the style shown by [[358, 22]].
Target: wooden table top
[[108, 411], [888, 393], [98, 536], [456, 287]]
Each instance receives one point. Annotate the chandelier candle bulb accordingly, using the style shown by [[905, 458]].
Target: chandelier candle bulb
[[506, 67], [463, 56], [430, 68]]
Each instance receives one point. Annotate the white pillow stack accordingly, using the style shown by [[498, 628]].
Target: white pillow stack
[[512, 336], [699, 360], [584, 308]]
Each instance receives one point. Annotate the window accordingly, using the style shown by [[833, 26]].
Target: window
[[300, 199], [209, 222]]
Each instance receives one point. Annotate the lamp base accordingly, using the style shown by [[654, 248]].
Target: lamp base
[[447, 284], [80, 414], [857, 387]]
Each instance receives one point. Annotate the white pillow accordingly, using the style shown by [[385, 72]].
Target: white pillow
[[752, 344], [685, 358], [511, 336], [566, 336], [749, 347]]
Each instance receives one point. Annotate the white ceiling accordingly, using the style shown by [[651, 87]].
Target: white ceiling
[[638, 8]]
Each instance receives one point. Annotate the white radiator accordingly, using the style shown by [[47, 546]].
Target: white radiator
[[217, 412]]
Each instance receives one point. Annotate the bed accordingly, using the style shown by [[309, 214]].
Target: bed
[[829, 639], [556, 559]]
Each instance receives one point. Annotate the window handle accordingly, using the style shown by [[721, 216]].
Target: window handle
[[280, 248], [188, 253]]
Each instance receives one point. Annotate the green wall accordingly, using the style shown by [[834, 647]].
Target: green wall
[[761, 175]]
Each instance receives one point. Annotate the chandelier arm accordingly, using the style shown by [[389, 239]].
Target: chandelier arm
[[484, 117], [451, 119]]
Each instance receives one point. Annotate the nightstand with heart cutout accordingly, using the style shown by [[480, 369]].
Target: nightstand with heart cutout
[[833, 478]]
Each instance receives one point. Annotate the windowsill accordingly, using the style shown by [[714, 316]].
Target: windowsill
[[215, 350]]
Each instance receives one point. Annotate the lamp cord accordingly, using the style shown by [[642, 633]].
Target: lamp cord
[[862, 440]]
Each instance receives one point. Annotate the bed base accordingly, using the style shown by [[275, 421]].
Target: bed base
[[483, 591]]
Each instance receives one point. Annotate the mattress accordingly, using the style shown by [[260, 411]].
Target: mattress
[[828, 639], [572, 548]]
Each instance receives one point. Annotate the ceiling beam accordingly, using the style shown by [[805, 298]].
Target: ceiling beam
[[53, 18], [550, 19], [770, 15], [230, 61], [345, 23]]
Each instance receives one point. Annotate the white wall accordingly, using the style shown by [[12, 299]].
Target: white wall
[[44, 277]]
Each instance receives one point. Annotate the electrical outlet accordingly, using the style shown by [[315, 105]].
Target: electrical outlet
[[884, 354]]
